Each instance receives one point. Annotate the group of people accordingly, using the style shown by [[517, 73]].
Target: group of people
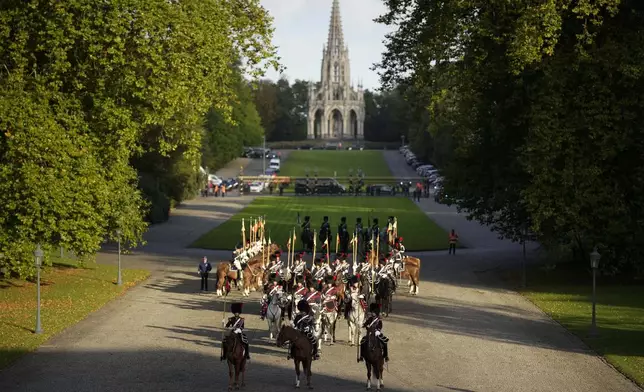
[[367, 238], [304, 322]]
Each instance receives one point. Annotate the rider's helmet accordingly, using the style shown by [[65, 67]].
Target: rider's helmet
[[374, 308], [303, 306], [236, 308]]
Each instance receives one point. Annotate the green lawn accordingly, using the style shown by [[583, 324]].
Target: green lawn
[[68, 294], [419, 232], [338, 163], [565, 295]]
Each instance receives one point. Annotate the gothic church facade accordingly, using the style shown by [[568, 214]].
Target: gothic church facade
[[336, 108]]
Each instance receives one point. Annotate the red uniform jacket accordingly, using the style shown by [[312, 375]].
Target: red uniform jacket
[[302, 291], [313, 297], [331, 301]]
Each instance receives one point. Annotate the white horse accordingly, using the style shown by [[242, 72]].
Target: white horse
[[274, 314], [356, 318], [326, 324]]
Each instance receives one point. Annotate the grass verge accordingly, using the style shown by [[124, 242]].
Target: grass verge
[[335, 163], [565, 294], [418, 231], [68, 294]]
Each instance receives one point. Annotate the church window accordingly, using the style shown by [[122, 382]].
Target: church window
[[336, 73]]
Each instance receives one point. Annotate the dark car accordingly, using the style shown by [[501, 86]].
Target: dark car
[[323, 186]]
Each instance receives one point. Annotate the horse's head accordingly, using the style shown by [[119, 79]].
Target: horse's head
[[285, 335]]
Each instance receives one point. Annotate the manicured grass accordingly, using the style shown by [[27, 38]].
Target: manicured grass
[[68, 294], [419, 232], [330, 163], [620, 314]]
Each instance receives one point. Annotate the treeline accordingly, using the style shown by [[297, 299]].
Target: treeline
[[542, 109], [283, 109], [102, 113]]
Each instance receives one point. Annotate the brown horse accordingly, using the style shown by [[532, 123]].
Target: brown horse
[[300, 352], [234, 354], [373, 358], [252, 272], [412, 272]]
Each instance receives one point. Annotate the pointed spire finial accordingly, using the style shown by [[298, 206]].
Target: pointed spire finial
[[335, 41]]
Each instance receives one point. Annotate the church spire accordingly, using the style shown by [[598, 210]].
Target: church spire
[[335, 43]]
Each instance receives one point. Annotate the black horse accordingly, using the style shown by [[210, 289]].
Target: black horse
[[384, 292]]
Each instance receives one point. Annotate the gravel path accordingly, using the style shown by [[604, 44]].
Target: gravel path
[[457, 335]]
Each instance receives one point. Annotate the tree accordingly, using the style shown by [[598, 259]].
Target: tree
[[541, 107], [87, 89]]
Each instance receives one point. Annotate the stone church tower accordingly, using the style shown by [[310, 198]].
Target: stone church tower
[[336, 109]]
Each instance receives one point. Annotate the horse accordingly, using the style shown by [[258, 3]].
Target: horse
[[373, 358], [274, 313], [326, 323], [413, 273], [300, 352], [384, 294], [226, 273], [411, 269], [234, 354], [356, 318]]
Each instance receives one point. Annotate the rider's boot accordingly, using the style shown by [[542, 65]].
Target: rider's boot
[[247, 356], [263, 311], [316, 352], [361, 358], [385, 351], [290, 350], [241, 277]]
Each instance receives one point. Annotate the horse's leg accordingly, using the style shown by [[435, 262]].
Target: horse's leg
[[220, 285], [382, 371], [368, 374], [230, 375], [237, 371], [333, 331], [307, 369], [297, 373], [243, 374]]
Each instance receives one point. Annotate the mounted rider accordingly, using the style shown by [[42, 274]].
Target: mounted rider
[[301, 291], [353, 287], [343, 233], [299, 265], [307, 234], [323, 270], [304, 323], [273, 288], [236, 324], [330, 296], [313, 297], [374, 323], [276, 264], [238, 264], [325, 233]]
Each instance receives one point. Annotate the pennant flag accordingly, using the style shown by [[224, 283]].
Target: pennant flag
[[269, 240], [288, 244], [243, 228], [294, 236], [326, 242]]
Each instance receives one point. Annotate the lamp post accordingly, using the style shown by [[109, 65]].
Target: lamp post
[[264, 153], [38, 254], [119, 281], [403, 140], [594, 264]]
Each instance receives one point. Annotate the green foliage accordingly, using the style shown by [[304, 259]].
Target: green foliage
[[541, 104], [87, 89], [283, 108]]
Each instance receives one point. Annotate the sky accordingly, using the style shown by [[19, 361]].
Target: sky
[[302, 27]]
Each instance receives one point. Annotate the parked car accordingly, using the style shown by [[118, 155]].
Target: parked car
[[257, 186], [214, 179]]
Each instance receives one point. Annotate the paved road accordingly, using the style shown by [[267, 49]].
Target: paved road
[[459, 334]]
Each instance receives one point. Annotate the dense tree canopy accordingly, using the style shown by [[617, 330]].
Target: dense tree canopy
[[90, 90], [543, 105]]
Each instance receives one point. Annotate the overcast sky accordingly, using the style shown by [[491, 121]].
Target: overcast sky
[[302, 26]]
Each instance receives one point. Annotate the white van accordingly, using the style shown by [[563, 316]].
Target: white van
[[275, 164]]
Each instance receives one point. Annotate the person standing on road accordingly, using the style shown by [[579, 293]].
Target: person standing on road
[[204, 269], [453, 239]]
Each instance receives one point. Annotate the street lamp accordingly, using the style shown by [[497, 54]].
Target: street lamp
[[38, 254], [403, 140], [594, 264], [118, 279]]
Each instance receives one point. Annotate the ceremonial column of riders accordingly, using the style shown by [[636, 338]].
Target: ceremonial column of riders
[[307, 293]]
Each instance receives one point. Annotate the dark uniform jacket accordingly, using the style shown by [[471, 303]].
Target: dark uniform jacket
[[373, 322], [235, 322], [303, 322]]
